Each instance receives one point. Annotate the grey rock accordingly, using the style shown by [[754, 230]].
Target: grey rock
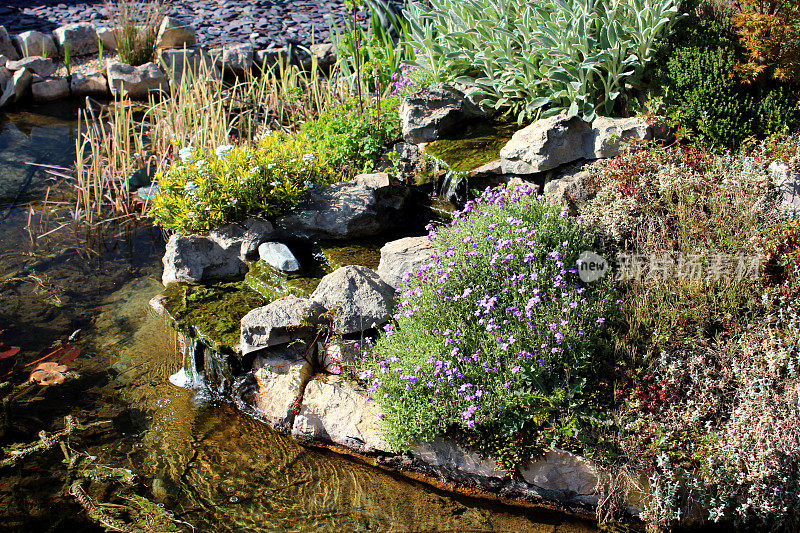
[[6, 46], [127, 81], [81, 37], [452, 458], [325, 54], [193, 258], [276, 391], [236, 59], [50, 89], [88, 84], [360, 207], [278, 256], [569, 187], [279, 322], [108, 37], [551, 142], [269, 57], [5, 76], [786, 179], [3, 61], [359, 297], [35, 43], [36, 64], [433, 111], [183, 62], [17, 87], [562, 471], [609, 134], [403, 255], [175, 34], [408, 157], [545, 144], [243, 237]]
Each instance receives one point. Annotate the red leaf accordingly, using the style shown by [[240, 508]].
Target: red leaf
[[11, 352], [70, 352]]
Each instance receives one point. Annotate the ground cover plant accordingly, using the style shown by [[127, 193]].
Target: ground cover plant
[[540, 59], [496, 341]]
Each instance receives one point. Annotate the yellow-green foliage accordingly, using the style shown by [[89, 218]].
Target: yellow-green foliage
[[204, 189]]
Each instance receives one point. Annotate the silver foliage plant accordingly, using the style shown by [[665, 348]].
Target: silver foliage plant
[[541, 58]]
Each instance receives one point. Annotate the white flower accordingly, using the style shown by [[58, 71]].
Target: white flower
[[275, 183], [310, 158], [222, 150], [186, 153], [190, 187], [233, 201]]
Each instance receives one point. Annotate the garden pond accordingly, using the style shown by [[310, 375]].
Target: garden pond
[[206, 460]]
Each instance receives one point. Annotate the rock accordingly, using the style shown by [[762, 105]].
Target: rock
[[786, 179], [236, 59], [280, 322], [193, 258], [81, 37], [610, 133], [545, 144], [359, 297], [325, 54], [266, 59], [16, 87], [278, 256], [6, 46], [551, 142], [243, 237], [277, 389], [127, 81], [426, 115], [562, 471], [453, 459], [569, 188], [5, 76], [333, 412], [175, 34], [338, 355], [50, 89], [403, 255], [34, 43], [362, 207], [88, 84], [107, 37], [185, 62], [3, 61], [408, 157], [36, 64]]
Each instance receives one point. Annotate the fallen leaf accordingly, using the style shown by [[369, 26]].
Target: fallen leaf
[[69, 354], [49, 373], [10, 352]]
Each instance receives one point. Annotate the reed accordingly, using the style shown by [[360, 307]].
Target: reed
[[136, 25]]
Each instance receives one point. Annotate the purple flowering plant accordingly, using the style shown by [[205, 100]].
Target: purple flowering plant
[[494, 338]]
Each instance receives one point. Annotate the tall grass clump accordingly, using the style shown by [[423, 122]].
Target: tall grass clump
[[537, 59], [136, 25], [496, 341]]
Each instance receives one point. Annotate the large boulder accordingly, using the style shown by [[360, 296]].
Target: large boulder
[[325, 54], [551, 142], [562, 471], [17, 87], [453, 460], [401, 256], [433, 111], [545, 144], [35, 43], [127, 81], [569, 187], [362, 207], [193, 258], [243, 238], [108, 37], [181, 62], [50, 89], [333, 412], [358, 296], [36, 64], [278, 256], [280, 322], [6, 46], [175, 34], [80, 36], [277, 389], [236, 59], [88, 84]]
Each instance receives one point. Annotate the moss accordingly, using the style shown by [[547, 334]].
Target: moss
[[480, 145], [211, 312], [272, 284], [364, 252]]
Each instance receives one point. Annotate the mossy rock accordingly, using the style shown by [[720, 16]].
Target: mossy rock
[[363, 252], [211, 312], [481, 144], [272, 284]]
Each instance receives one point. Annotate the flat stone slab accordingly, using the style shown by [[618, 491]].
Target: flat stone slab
[[280, 322]]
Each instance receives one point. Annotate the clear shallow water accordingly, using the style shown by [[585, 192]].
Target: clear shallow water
[[214, 466]]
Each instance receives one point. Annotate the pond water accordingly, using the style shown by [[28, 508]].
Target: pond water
[[212, 465]]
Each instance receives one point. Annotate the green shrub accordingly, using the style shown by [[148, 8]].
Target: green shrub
[[205, 189], [556, 56], [352, 141], [496, 341], [702, 92]]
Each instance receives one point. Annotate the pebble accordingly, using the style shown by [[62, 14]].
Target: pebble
[[216, 22]]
